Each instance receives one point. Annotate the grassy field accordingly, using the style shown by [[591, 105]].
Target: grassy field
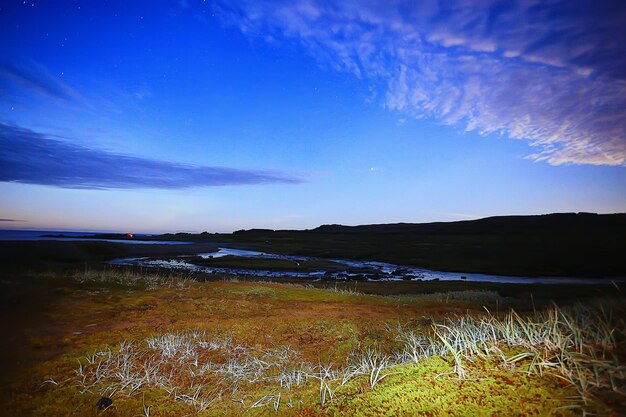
[[161, 345]]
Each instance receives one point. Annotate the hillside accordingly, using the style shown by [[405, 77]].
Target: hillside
[[563, 244]]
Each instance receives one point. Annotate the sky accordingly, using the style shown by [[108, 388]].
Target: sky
[[216, 116]]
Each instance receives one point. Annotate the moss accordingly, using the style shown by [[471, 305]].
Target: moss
[[323, 325], [431, 389]]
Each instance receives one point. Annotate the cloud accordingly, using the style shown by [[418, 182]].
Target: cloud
[[551, 73], [11, 220], [30, 157], [36, 79]]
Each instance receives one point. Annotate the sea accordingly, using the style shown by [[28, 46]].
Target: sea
[[13, 234]]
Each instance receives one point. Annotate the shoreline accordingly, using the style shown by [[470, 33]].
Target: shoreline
[[21, 254]]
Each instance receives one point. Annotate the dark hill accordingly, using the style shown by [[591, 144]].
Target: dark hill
[[554, 223], [562, 244]]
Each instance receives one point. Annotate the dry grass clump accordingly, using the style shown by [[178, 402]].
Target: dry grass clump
[[578, 345], [127, 278], [195, 369]]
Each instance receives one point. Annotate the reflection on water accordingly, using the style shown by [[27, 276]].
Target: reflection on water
[[355, 270], [250, 254]]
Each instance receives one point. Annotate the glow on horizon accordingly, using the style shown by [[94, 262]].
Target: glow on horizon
[[218, 116]]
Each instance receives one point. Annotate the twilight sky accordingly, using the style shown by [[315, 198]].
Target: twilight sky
[[198, 115]]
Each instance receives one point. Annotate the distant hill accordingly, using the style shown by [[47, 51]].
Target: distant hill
[[556, 222], [560, 244]]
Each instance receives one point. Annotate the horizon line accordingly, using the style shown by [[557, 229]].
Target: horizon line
[[143, 232]]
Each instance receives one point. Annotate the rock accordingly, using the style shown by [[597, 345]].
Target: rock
[[104, 403], [342, 276], [357, 277]]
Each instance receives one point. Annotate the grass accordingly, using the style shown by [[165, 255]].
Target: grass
[[165, 345], [126, 278]]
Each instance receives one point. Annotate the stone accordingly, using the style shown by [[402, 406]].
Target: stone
[[104, 403]]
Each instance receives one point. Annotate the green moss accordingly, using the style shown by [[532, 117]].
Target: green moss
[[431, 389]]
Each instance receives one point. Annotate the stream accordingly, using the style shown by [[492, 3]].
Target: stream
[[355, 270]]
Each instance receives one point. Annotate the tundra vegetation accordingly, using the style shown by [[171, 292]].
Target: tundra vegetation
[[168, 345]]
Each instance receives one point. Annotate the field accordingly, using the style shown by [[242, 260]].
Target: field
[[162, 345]]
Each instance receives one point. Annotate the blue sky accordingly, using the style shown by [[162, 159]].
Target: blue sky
[[193, 115]]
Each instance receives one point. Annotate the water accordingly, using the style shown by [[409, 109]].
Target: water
[[40, 235], [221, 252], [368, 270]]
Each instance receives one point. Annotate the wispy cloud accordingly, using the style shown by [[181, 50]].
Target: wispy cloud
[[11, 220], [35, 79], [30, 157], [551, 73]]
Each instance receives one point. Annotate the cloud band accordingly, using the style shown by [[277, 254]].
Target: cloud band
[[30, 157]]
